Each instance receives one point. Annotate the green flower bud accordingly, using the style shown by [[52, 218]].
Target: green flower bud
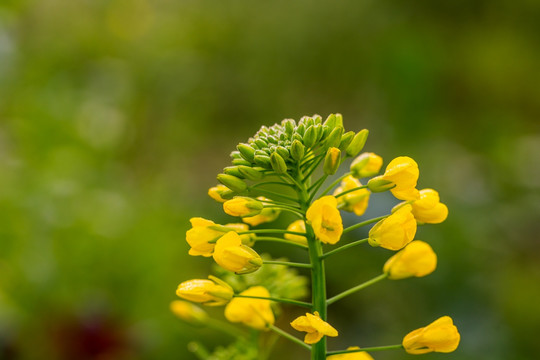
[[233, 170], [297, 150], [284, 153], [346, 140], [241, 162], [261, 143], [330, 121], [317, 119], [288, 124], [236, 155], [357, 143], [250, 173], [310, 137], [278, 164], [334, 139], [263, 160], [379, 184], [300, 130], [246, 151], [232, 182], [332, 161], [319, 132], [272, 139], [339, 120]]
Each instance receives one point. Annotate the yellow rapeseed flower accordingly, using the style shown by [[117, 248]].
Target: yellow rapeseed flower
[[439, 336], [202, 237], [360, 355], [216, 192], [242, 206], [395, 231], [416, 259], [355, 201], [208, 292], [297, 226], [428, 208], [188, 312], [266, 215], [403, 173], [366, 165], [232, 255], [255, 313], [314, 326], [324, 218]]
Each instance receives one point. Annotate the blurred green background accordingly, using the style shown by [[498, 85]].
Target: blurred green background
[[115, 117]]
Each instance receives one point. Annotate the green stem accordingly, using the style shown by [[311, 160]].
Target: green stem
[[285, 208], [270, 183], [363, 223], [337, 181], [289, 336], [272, 193], [315, 165], [285, 301], [350, 190], [285, 241], [373, 348], [314, 191], [318, 285], [344, 247], [271, 231], [287, 263], [356, 288]]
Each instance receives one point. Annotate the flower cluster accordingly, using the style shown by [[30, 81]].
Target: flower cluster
[[283, 171]]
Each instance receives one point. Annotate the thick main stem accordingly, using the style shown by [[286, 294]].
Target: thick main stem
[[318, 289], [318, 281]]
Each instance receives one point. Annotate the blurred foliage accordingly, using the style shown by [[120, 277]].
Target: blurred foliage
[[115, 117]]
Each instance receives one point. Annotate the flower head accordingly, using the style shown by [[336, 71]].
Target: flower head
[[416, 259], [202, 236], [242, 206], [366, 164], [217, 191], [402, 173], [314, 326], [439, 336], [332, 161], [395, 231], [428, 208], [231, 255], [266, 215], [188, 312], [355, 201], [255, 313], [297, 226], [208, 292], [360, 355], [325, 219]]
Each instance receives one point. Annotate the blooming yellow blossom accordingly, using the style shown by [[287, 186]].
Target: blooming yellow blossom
[[314, 326], [209, 292], [324, 218], [429, 209], [355, 201], [255, 313], [231, 255], [297, 226], [216, 192], [360, 355], [416, 259], [266, 215], [403, 173], [366, 164], [439, 336], [202, 237], [395, 231], [242, 206], [188, 312]]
